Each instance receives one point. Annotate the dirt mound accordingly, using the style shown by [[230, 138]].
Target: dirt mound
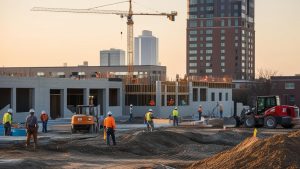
[[279, 151], [21, 163]]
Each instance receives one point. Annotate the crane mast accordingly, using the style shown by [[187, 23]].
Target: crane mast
[[130, 41], [129, 15]]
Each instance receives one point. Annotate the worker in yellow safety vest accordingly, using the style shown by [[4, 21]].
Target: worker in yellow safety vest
[[175, 115], [7, 122], [149, 120]]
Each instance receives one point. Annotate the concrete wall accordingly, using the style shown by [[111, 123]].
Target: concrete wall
[[42, 88]]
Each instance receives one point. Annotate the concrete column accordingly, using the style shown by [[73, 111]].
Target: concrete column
[[166, 99], [14, 99], [106, 100], [176, 96], [191, 93], [158, 96], [65, 101], [86, 94]]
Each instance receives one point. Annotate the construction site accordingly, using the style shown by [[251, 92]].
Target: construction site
[[212, 131]]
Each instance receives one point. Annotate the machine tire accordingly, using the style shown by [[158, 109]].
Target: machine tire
[[72, 129], [91, 129], [287, 126], [249, 122], [270, 122]]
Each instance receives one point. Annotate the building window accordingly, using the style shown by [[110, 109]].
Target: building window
[[223, 64], [209, 23], [208, 64], [193, 24], [209, 31], [223, 70], [114, 97], [193, 32], [223, 51], [209, 45], [209, 1], [193, 58], [208, 58], [209, 51], [193, 39], [193, 64], [208, 70], [209, 38], [193, 51], [222, 44], [222, 57], [222, 37], [209, 8], [193, 9], [289, 86], [209, 15], [212, 96], [203, 93], [201, 57], [193, 2], [193, 45], [193, 70], [226, 97], [220, 96], [195, 94], [193, 17]]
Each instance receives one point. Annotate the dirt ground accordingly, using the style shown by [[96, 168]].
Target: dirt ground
[[164, 148]]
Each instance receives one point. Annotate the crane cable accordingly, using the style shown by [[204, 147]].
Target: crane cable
[[107, 5]]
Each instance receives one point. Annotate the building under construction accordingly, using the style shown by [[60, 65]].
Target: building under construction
[[58, 90]]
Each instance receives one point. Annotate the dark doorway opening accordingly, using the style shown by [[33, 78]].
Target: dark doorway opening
[[5, 97], [56, 103]]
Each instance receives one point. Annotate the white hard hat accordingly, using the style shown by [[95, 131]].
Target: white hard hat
[[200, 105], [175, 108], [109, 113], [9, 110], [43, 112], [150, 110], [131, 105], [31, 110]]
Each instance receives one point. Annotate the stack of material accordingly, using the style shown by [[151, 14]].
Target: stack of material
[[279, 151]]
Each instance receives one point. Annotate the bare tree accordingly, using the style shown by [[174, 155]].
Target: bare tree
[[266, 73]]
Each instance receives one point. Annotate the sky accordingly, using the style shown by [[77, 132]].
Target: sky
[[30, 38]]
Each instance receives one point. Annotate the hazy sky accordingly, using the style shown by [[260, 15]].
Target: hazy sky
[[50, 39]]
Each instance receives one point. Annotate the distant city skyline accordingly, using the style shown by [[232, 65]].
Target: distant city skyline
[[51, 39]]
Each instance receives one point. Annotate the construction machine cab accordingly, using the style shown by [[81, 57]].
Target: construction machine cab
[[85, 118], [264, 103]]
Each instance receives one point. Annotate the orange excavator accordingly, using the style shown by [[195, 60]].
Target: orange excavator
[[85, 119]]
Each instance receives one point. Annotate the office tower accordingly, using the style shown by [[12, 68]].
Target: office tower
[[146, 49], [221, 39], [112, 57]]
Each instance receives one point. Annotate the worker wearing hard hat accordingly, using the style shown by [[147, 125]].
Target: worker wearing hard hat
[[44, 118], [110, 126], [175, 114], [7, 122], [149, 120], [131, 113], [200, 110], [32, 128]]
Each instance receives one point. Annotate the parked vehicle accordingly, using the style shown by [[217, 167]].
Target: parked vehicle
[[85, 118]]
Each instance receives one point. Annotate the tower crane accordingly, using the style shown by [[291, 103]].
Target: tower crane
[[129, 14]]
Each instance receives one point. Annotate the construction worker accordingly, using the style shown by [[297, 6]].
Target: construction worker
[[175, 115], [110, 126], [221, 110], [7, 122], [149, 120], [44, 118], [32, 128], [131, 113], [200, 110]]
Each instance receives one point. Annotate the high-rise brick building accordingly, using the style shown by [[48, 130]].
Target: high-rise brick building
[[221, 39]]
